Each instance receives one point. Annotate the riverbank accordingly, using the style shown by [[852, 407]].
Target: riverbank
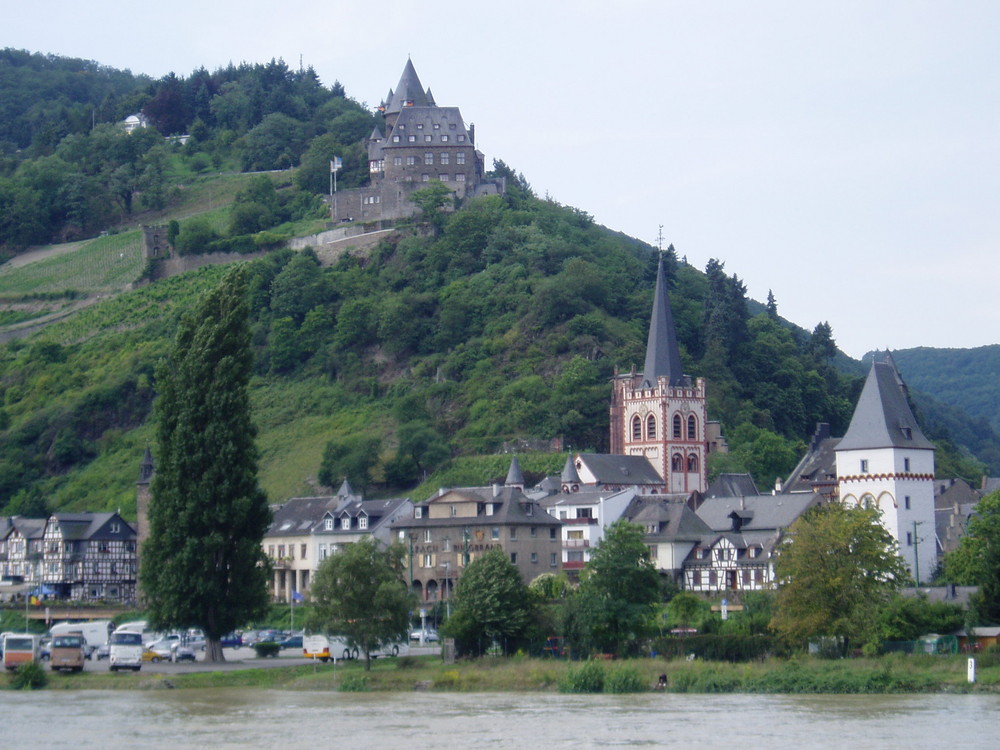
[[887, 674]]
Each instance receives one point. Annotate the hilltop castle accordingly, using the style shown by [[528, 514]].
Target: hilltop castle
[[419, 142]]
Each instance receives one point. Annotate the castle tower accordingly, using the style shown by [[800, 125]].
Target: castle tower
[[885, 460], [661, 413]]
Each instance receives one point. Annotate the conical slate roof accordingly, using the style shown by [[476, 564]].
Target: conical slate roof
[[569, 474], [663, 355], [146, 468], [515, 478], [882, 418], [408, 89]]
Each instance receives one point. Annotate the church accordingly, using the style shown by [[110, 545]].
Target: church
[[660, 413]]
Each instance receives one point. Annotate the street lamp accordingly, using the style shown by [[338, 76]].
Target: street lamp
[[447, 586]]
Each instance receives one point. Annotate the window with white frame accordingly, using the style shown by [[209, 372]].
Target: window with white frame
[[427, 536], [362, 522]]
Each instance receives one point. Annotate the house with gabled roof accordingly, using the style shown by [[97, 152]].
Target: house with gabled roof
[[306, 530], [737, 554], [21, 549], [458, 525], [671, 530], [90, 556]]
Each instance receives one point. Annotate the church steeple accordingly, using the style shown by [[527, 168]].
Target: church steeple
[[663, 355]]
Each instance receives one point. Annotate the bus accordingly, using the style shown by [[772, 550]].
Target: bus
[[19, 648]]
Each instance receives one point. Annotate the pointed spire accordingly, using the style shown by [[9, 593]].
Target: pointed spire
[[514, 476], [409, 91], [376, 134], [663, 355], [882, 418], [430, 99], [345, 489], [569, 475]]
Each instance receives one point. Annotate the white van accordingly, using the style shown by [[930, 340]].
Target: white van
[[95, 633], [125, 650]]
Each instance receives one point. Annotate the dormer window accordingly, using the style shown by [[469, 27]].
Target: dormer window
[[345, 522], [907, 433], [418, 512], [328, 524], [362, 522]]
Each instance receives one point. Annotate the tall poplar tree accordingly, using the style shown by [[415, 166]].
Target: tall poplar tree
[[203, 563]]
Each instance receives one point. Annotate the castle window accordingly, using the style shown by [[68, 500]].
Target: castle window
[[651, 427], [443, 177], [411, 138], [677, 426], [427, 138], [425, 178], [397, 161], [428, 158], [451, 126], [444, 138], [693, 462], [460, 177], [445, 158], [437, 126], [460, 157], [395, 139], [411, 160], [461, 139], [677, 462], [420, 126], [692, 428], [636, 428]]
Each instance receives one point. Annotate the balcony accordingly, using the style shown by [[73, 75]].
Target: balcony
[[573, 565], [575, 543], [579, 521]]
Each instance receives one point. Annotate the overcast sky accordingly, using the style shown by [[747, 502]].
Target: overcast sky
[[844, 154]]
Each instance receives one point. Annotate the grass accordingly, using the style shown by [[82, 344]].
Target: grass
[[890, 674]]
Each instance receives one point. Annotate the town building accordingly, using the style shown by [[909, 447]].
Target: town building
[[660, 413], [307, 530], [75, 556], [457, 526]]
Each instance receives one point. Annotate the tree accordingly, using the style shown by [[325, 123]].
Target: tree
[[352, 458], [431, 201], [976, 561], [836, 567], [492, 606], [361, 593], [618, 595], [203, 563]]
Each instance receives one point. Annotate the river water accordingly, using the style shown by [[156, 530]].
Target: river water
[[249, 718]]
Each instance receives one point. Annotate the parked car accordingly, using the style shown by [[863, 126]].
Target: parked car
[[232, 640], [429, 635], [292, 641], [154, 656], [182, 653], [103, 651]]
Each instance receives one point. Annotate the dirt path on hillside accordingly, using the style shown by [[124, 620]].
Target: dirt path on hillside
[[32, 256]]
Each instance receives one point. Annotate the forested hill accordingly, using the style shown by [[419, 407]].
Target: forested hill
[[467, 330]]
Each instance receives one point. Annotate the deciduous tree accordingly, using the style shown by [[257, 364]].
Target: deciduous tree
[[976, 561], [361, 593], [836, 568], [203, 563]]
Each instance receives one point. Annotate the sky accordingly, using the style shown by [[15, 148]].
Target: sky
[[844, 155]]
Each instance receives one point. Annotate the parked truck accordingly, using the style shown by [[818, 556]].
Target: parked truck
[[95, 633]]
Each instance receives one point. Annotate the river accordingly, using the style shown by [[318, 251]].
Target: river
[[250, 718]]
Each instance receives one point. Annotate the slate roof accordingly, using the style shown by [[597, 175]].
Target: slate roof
[[732, 485], [675, 520], [299, 514], [569, 474], [766, 512], [81, 526], [621, 470], [663, 355], [818, 466], [514, 474], [410, 89], [509, 509], [882, 418]]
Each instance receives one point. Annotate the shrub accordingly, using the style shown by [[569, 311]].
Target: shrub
[[406, 662], [353, 683], [266, 648], [589, 678], [29, 676], [625, 679]]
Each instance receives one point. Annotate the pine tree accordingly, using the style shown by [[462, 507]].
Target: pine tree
[[203, 563]]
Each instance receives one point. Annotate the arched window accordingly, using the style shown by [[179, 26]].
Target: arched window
[[636, 428], [677, 426], [650, 427], [693, 462], [692, 428], [677, 462]]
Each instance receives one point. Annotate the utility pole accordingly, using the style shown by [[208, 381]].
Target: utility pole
[[916, 552]]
